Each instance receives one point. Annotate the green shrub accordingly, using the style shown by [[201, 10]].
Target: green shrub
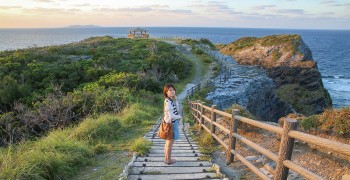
[[197, 51], [141, 146], [206, 142], [137, 114], [309, 122], [105, 127], [102, 148]]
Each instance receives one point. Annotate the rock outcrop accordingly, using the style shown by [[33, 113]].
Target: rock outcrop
[[289, 62]]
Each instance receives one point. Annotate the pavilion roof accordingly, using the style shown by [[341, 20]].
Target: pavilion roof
[[137, 29]]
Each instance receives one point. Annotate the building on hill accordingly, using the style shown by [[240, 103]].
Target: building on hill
[[138, 33]]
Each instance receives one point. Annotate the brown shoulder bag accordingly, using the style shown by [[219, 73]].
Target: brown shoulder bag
[[166, 131]]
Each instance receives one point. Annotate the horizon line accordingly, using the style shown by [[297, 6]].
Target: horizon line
[[97, 26]]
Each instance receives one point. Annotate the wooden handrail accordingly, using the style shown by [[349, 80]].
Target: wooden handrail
[[322, 142], [250, 165], [225, 114], [286, 147], [220, 141], [206, 107], [206, 118], [261, 125], [258, 148], [221, 127], [302, 171]]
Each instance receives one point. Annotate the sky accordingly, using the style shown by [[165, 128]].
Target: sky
[[286, 14]]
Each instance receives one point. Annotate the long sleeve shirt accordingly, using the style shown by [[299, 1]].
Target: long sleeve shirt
[[171, 112]]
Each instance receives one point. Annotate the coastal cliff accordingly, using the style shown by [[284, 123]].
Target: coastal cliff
[[289, 62]]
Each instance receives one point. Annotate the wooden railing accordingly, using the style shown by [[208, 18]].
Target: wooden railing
[[288, 133]]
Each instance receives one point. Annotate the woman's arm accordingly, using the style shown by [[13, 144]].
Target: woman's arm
[[170, 111]]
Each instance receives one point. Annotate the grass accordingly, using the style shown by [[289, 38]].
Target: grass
[[141, 146], [63, 153], [331, 122], [206, 142], [298, 97], [180, 86], [96, 148]]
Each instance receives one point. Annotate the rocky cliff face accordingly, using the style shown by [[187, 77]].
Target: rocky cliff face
[[289, 62]]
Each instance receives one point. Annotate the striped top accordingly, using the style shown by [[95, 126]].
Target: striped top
[[171, 110]]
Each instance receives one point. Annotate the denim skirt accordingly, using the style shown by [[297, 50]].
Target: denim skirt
[[176, 129]]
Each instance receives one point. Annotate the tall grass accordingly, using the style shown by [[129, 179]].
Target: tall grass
[[105, 127], [54, 157], [62, 153], [141, 146]]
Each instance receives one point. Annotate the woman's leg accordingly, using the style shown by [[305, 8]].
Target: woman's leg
[[170, 151], [166, 150]]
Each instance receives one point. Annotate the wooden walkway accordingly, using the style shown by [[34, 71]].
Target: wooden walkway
[[186, 153]]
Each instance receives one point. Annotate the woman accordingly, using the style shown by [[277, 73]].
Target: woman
[[171, 115]]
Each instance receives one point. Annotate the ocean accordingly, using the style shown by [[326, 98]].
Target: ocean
[[330, 48]]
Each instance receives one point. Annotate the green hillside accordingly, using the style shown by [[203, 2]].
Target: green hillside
[[62, 105]]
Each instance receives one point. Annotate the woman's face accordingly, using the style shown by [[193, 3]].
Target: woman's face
[[171, 92]]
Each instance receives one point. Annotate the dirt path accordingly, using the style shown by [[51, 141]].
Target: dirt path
[[198, 76]]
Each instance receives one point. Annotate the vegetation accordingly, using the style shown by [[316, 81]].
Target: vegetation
[[62, 153], [67, 103], [52, 87], [290, 42], [297, 96], [331, 121], [206, 142], [193, 42], [241, 43], [141, 146]]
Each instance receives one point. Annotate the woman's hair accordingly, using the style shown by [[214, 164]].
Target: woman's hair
[[166, 89]]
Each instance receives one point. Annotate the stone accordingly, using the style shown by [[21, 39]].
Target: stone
[[251, 158]]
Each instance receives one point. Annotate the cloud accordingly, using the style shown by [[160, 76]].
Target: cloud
[[155, 9], [82, 5], [328, 2], [291, 11], [10, 7], [262, 7], [214, 8], [43, 0], [335, 4], [51, 11], [135, 9]]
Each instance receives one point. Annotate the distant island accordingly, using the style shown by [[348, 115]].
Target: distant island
[[82, 26]]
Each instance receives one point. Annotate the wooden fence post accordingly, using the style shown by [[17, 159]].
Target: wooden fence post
[[213, 119], [197, 113], [191, 110], [232, 141], [201, 119], [286, 149]]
